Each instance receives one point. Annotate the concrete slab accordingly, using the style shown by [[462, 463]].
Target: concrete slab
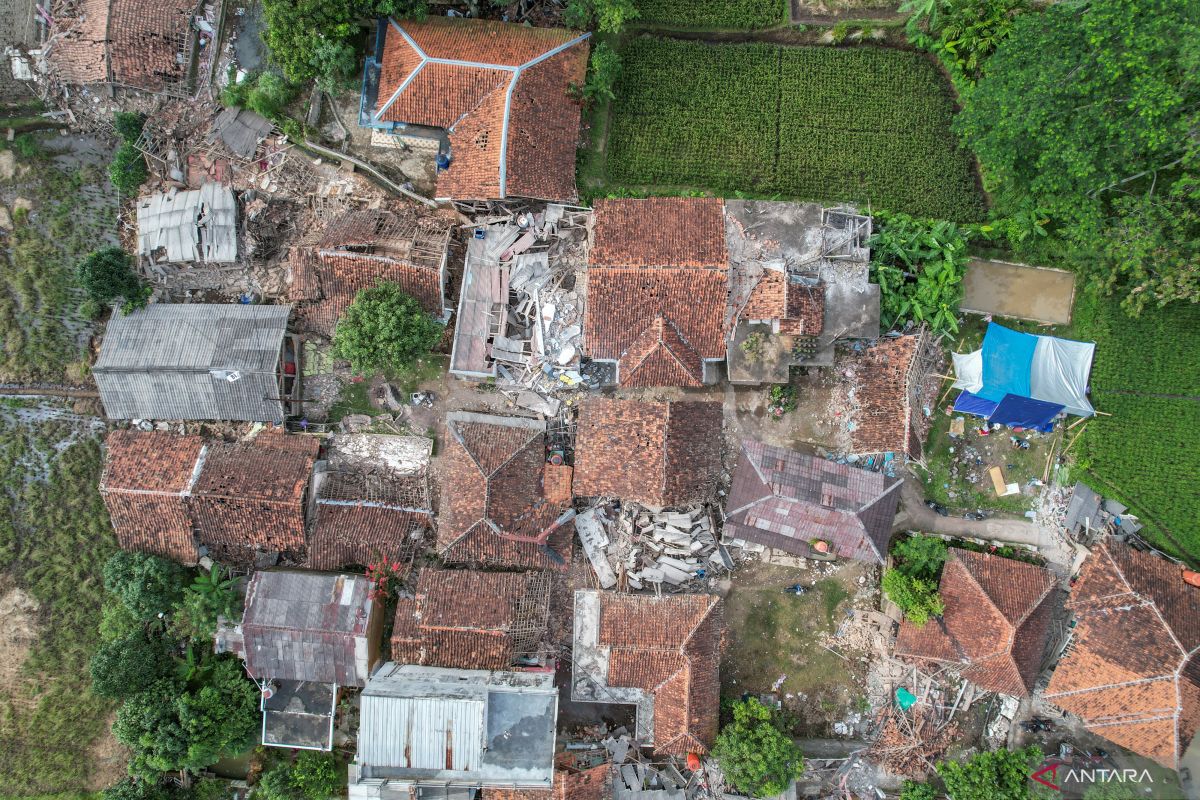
[[1039, 294]]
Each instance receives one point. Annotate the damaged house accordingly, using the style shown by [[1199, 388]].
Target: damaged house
[[360, 250], [198, 226], [199, 362], [996, 622], [467, 619], [799, 283], [892, 394], [810, 506], [303, 636], [136, 44], [372, 500], [502, 502], [428, 732], [656, 454], [660, 654], [495, 96], [167, 494], [1131, 670], [658, 288]]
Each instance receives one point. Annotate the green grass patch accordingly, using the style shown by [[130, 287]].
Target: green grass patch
[[833, 594], [54, 539], [864, 124], [355, 398], [712, 14]]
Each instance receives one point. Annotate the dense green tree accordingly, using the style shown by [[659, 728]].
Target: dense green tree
[[147, 585], [107, 274], [603, 70], [755, 753], [148, 724], [912, 790], [128, 126], [918, 598], [128, 169], [992, 775], [1086, 114], [211, 595], [383, 330], [607, 16], [133, 789], [126, 666], [335, 63], [920, 556], [310, 776]]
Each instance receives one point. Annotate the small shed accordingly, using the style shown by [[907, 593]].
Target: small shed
[[433, 728], [220, 362], [189, 226]]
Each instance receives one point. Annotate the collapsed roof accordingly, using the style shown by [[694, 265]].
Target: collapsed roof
[[661, 654], [1132, 669], [996, 621], [189, 226], [501, 91], [787, 500]]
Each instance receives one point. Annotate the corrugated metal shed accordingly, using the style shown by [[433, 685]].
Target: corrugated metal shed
[[458, 727], [197, 225], [171, 361]]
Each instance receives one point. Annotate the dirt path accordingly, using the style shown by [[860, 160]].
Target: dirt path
[[915, 515]]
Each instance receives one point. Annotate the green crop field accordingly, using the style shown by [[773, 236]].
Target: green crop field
[[1147, 454], [712, 14], [864, 125]]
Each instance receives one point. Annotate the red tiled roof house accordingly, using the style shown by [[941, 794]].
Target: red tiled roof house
[[661, 654], [495, 510], [897, 383], [148, 476], [996, 622], [467, 619], [1132, 669], [141, 44], [658, 290], [789, 500], [656, 454], [497, 95]]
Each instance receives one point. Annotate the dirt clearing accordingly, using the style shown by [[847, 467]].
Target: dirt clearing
[[1018, 291]]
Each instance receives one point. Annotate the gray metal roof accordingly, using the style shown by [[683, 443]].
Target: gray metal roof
[[241, 130], [455, 726], [169, 361], [196, 225]]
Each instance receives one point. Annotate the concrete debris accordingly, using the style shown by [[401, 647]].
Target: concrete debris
[[634, 547], [639, 777]]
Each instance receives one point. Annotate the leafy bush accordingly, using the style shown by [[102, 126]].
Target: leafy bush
[[920, 556], [336, 64], [781, 400], [129, 126], [311, 776], [991, 775], [126, 666], [866, 125], [919, 266], [128, 169], [107, 274], [146, 584], [603, 70], [608, 16], [267, 93], [134, 789], [383, 330], [212, 595], [755, 753], [917, 791], [918, 598], [27, 147]]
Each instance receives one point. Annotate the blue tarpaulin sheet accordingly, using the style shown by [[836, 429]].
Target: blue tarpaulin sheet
[[969, 403], [1007, 361], [1025, 412]]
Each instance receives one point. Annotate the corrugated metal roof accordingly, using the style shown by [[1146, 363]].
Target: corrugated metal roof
[[197, 225], [181, 361], [422, 732]]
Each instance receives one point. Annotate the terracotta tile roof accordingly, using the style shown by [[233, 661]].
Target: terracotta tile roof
[[658, 454], [1132, 672], [805, 310], [890, 414], [250, 496], [494, 505], [670, 647], [996, 621], [660, 232], [464, 619], [784, 499], [146, 478], [348, 532], [768, 298], [658, 288], [138, 43], [496, 75]]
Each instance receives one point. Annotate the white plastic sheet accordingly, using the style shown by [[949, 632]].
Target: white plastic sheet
[[968, 371], [1059, 373]]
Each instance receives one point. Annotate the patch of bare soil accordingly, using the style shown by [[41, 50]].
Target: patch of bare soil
[[108, 759], [18, 632], [831, 11]]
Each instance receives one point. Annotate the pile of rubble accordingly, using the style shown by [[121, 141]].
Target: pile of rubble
[[634, 547], [636, 776]]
